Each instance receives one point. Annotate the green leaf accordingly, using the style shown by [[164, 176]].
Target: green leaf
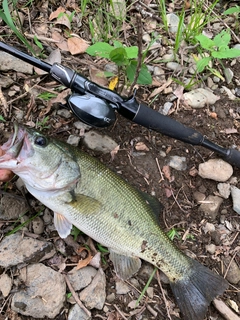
[[205, 42], [2, 119], [119, 56], [222, 40], [100, 49], [201, 64], [226, 54], [132, 52], [144, 75], [232, 10], [117, 44]]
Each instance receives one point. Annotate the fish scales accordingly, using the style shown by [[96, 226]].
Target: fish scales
[[83, 192]]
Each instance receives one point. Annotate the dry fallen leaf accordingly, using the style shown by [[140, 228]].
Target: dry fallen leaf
[[56, 13], [83, 263], [97, 76], [114, 152], [62, 44], [77, 45]]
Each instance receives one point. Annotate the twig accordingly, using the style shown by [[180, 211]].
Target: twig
[[225, 311], [163, 294], [75, 296], [160, 171], [229, 265], [139, 28], [144, 12], [4, 103], [41, 38], [120, 312]]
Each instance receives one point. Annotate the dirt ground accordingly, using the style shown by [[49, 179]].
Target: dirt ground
[[144, 171]]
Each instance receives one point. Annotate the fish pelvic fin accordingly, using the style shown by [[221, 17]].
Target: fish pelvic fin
[[124, 266], [195, 292], [62, 225]]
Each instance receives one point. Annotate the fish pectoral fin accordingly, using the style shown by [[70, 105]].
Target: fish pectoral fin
[[85, 204], [62, 225], [124, 266]]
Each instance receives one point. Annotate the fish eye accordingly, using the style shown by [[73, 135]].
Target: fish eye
[[40, 141]]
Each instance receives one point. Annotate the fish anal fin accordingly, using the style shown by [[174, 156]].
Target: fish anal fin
[[195, 292], [62, 225], [124, 266]]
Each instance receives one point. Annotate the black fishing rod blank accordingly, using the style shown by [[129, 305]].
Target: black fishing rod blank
[[95, 105]]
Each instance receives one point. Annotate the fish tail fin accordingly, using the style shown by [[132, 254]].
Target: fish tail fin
[[196, 290]]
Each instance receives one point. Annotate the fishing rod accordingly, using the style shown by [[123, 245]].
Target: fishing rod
[[96, 106]]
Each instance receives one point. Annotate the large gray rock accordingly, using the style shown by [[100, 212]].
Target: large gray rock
[[16, 249], [94, 295], [98, 142], [9, 62], [76, 313], [44, 294]]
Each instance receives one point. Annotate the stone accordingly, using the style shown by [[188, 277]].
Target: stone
[[173, 22], [38, 225], [44, 295], [16, 249], [94, 295], [98, 142], [235, 193], [211, 206], [199, 196], [81, 278], [228, 73], [5, 81], [9, 62], [211, 248], [233, 274], [224, 190], [200, 97], [122, 287], [215, 169], [64, 113], [174, 66], [12, 208], [177, 163], [77, 313], [81, 125], [73, 140], [5, 284]]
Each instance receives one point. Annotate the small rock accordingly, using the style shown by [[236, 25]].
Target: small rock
[[224, 190], [209, 227], [12, 208], [94, 295], [5, 284], [111, 297], [168, 57], [237, 46], [5, 81], [211, 248], [47, 217], [81, 278], [233, 274], [9, 62], [173, 22], [38, 225], [98, 142], [64, 113], [122, 287], [178, 163], [198, 98], [77, 313], [235, 193], [150, 292], [81, 125], [16, 249], [215, 169], [228, 73], [158, 71], [146, 270], [146, 38], [73, 140], [174, 66], [211, 206], [44, 294], [199, 196]]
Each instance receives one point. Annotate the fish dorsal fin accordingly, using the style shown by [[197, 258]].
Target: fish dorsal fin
[[62, 225], [155, 205], [85, 204], [124, 266]]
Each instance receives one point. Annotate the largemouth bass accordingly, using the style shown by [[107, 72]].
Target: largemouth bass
[[83, 192]]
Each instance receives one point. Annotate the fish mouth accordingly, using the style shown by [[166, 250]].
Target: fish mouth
[[14, 144]]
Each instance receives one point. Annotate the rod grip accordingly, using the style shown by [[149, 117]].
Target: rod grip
[[154, 120], [233, 157]]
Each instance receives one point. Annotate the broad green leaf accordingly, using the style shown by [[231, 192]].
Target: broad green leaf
[[132, 52], [144, 75], [201, 64], [227, 54], [119, 56], [117, 44], [222, 39], [205, 42], [100, 49], [232, 10]]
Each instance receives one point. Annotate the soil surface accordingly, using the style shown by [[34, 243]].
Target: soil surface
[[143, 169]]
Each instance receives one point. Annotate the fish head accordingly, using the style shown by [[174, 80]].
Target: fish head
[[41, 162]]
